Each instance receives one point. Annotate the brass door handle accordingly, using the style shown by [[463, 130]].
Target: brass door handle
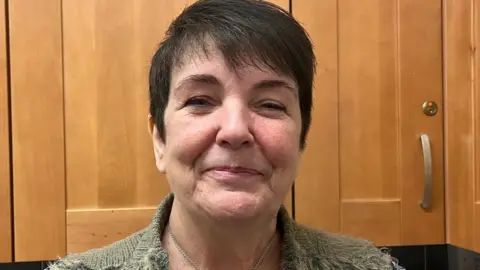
[[425, 203]]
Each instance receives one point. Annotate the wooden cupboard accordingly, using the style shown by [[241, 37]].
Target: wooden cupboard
[[462, 122], [363, 168], [107, 50], [37, 129], [5, 155]]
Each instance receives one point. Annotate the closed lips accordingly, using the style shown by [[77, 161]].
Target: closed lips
[[235, 170]]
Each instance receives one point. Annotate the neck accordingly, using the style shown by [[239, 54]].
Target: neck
[[213, 244]]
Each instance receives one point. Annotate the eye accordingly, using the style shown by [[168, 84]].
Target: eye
[[273, 106], [198, 102]]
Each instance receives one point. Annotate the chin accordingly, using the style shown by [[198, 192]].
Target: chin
[[235, 205]]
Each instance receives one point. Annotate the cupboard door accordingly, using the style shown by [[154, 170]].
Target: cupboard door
[[5, 179], [462, 122], [113, 186], [37, 129], [363, 168]]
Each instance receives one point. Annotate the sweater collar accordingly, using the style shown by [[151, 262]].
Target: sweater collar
[[151, 248]]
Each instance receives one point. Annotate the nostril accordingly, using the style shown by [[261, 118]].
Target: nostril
[[224, 142], [234, 144], [247, 142]]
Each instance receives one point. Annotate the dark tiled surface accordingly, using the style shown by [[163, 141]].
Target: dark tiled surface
[[461, 259], [22, 266], [436, 257], [432, 257], [410, 257]]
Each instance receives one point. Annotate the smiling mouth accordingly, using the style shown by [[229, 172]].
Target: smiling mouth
[[233, 175], [235, 170]]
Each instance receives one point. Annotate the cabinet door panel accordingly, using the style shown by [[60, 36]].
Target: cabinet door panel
[[316, 190], [108, 46], [5, 178], [378, 62], [368, 109], [420, 80], [462, 119], [37, 129]]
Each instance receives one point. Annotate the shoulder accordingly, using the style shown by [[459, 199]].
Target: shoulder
[[331, 251], [141, 250], [112, 256]]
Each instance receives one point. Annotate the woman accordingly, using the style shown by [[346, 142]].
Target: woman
[[231, 96]]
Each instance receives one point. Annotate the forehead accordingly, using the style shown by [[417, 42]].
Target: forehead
[[211, 61]]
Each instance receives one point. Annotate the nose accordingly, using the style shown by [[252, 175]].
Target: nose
[[234, 127]]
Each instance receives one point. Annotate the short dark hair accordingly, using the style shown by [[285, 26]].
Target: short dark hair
[[246, 32]]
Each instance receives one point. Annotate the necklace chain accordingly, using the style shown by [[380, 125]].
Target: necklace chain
[[195, 265]]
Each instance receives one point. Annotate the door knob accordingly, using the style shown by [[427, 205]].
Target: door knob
[[430, 108]]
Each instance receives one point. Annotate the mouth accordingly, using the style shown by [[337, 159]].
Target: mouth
[[234, 176], [235, 170]]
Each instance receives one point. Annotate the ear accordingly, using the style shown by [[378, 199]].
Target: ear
[[158, 145]]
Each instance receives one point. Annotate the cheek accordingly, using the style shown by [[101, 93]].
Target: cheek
[[280, 142], [187, 138]]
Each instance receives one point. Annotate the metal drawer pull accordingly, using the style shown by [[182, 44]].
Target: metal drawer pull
[[427, 163]]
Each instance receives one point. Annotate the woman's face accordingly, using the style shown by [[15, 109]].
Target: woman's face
[[231, 138]]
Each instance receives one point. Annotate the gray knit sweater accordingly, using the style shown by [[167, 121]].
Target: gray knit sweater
[[302, 248]]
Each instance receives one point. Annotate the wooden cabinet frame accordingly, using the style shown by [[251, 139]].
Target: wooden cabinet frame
[[462, 122]]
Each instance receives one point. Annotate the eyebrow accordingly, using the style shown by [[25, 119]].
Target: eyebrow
[[199, 79], [275, 83], [209, 79]]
